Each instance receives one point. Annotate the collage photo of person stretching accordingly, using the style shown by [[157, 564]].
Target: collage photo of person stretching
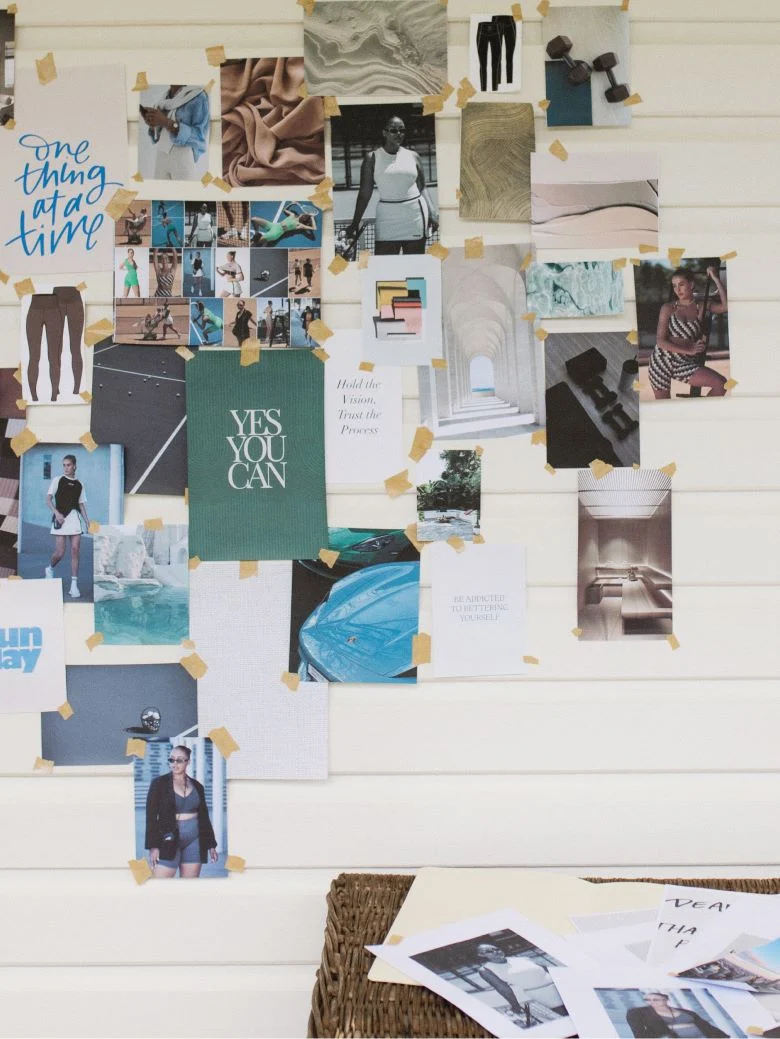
[[217, 273]]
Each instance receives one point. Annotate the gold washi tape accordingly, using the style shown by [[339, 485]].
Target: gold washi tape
[[398, 484], [223, 741], [194, 665], [421, 649], [135, 748], [46, 69], [557, 149], [600, 468], [140, 869], [338, 265], [422, 443], [215, 55], [328, 556], [474, 248], [23, 441]]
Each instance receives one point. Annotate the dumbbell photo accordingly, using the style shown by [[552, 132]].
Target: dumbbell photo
[[616, 91], [620, 421], [598, 392], [559, 49]]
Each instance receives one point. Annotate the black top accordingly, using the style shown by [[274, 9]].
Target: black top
[[241, 324], [646, 1023], [67, 495], [161, 815]]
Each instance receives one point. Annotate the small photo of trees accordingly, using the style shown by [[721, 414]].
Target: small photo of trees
[[448, 495]]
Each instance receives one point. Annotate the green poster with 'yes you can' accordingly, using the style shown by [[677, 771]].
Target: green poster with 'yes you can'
[[256, 456]]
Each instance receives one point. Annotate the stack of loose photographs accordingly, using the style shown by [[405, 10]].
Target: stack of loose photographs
[[689, 962]]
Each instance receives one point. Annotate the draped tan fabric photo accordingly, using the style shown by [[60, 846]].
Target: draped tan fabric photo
[[270, 134]]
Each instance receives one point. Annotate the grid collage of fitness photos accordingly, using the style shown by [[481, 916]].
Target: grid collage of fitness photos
[[215, 385]]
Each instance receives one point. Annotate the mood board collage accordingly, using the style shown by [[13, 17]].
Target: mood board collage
[[219, 384]]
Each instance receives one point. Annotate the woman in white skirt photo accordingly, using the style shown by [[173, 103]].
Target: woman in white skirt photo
[[405, 212], [67, 500]]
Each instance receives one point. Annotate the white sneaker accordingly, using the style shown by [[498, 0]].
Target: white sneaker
[[74, 589], [49, 571]]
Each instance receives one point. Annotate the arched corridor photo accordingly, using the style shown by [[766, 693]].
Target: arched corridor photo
[[492, 385]]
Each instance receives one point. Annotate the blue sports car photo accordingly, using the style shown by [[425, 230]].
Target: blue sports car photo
[[362, 631]]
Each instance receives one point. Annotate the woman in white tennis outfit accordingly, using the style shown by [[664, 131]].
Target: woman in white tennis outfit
[[404, 212], [67, 501], [202, 232]]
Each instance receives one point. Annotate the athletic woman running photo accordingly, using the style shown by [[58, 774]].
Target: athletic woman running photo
[[206, 321], [681, 343]]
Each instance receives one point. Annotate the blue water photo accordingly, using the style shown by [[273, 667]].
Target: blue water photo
[[141, 585]]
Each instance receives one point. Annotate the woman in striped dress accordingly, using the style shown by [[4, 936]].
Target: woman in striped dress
[[680, 342], [165, 269]]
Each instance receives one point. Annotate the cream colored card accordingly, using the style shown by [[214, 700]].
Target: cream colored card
[[441, 896]]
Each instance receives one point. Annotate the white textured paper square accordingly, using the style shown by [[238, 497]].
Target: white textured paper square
[[241, 629]]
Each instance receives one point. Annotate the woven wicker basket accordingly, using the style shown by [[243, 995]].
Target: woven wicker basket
[[361, 909]]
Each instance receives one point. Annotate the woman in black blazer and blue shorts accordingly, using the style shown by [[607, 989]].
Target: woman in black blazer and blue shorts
[[179, 834]]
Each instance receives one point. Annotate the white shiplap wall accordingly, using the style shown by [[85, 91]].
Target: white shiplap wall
[[610, 759]]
